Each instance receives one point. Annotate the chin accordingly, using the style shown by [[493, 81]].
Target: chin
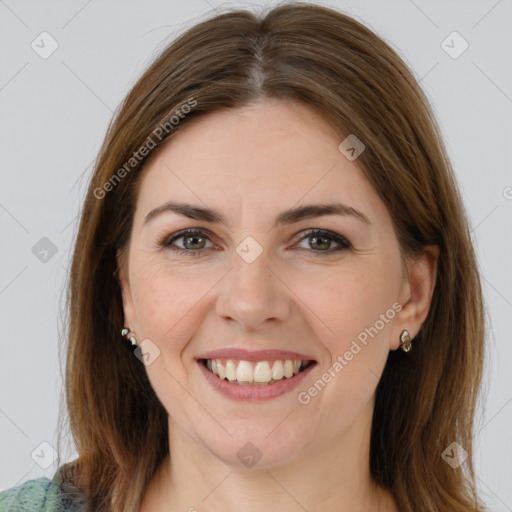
[[256, 448]]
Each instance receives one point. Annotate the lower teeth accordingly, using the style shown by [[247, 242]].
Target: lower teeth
[[254, 383]]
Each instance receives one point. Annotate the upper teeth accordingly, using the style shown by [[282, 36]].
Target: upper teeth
[[261, 372]]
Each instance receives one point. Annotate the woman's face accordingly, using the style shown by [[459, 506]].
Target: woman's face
[[338, 298]]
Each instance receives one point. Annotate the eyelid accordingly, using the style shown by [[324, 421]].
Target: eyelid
[[342, 242], [167, 240]]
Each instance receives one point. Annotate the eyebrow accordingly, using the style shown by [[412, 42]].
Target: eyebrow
[[284, 218]]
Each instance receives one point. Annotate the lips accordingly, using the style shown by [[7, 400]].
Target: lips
[[255, 355], [241, 374]]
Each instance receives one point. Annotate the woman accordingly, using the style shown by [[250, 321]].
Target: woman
[[274, 300]]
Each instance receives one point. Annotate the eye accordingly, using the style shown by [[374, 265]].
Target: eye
[[322, 239], [194, 242]]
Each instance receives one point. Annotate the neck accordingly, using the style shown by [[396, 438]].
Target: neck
[[328, 479]]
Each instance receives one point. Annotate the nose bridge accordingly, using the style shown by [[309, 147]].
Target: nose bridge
[[252, 292]]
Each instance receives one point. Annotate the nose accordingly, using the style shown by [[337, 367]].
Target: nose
[[253, 294]]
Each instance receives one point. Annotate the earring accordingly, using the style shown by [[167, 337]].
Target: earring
[[405, 341], [125, 331]]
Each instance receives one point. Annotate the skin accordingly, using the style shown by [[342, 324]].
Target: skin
[[315, 456]]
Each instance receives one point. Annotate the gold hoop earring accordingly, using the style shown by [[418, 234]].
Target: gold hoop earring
[[125, 331], [405, 341]]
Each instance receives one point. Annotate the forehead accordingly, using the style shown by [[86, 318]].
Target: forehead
[[272, 153]]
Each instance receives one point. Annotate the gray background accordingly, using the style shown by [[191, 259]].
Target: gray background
[[54, 113]]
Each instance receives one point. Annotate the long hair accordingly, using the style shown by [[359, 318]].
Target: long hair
[[330, 62]]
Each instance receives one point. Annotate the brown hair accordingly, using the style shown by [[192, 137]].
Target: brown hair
[[426, 399]]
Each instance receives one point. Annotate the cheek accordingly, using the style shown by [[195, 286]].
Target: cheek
[[347, 301], [362, 317], [167, 303], [171, 303], [352, 309], [161, 299]]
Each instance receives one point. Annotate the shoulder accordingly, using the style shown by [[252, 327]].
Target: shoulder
[[43, 495], [39, 494]]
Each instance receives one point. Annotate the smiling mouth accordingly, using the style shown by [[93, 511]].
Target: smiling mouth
[[256, 373]]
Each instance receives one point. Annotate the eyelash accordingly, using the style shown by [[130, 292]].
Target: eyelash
[[343, 243]]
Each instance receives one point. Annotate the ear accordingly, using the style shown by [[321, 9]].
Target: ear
[[130, 319], [416, 294]]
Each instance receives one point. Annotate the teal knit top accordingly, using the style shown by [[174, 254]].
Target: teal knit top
[[40, 495]]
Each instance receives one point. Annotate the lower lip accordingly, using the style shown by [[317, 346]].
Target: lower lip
[[246, 392]]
